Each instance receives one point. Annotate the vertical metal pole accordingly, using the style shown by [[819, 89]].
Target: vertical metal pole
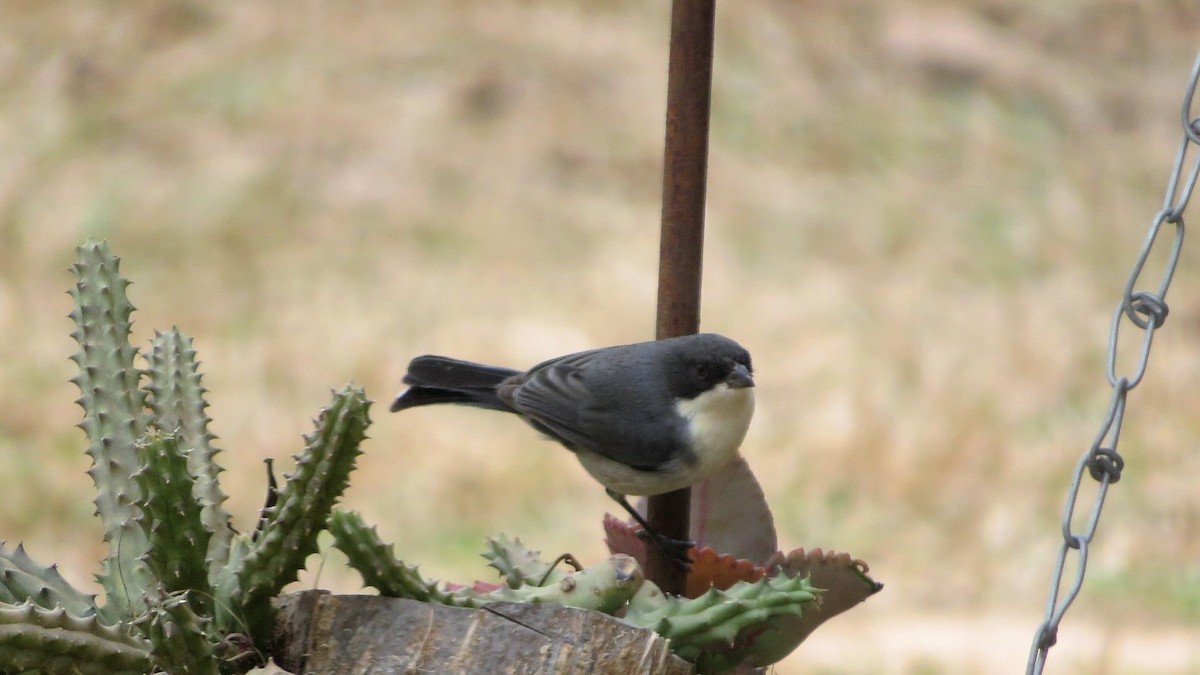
[[681, 248]]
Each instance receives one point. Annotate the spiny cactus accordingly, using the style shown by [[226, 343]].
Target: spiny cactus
[[24, 580], [289, 532], [114, 419], [604, 587], [377, 563], [170, 517], [176, 398], [708, 630], [38, 640], [180, 584], [518, 564], [183, 641]]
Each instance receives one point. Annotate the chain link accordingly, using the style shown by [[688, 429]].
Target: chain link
[[1147, 310]]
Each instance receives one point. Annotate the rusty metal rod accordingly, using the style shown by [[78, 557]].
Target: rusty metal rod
[[681, 247]]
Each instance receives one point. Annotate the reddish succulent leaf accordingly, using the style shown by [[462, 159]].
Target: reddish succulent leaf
[[844, 582], [730, 514], [621, 537], [710, 568], [477, 586]]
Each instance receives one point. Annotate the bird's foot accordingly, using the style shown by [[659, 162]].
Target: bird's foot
[[675, 550]]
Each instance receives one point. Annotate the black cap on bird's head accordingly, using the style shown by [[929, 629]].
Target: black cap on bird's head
[[704, 361]]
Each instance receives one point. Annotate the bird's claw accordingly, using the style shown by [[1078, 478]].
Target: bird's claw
[[676, 550]]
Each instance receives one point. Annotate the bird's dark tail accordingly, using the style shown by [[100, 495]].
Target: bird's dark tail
[[440, 379]]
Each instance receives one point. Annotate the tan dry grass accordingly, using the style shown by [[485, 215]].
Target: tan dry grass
[[920, 216]]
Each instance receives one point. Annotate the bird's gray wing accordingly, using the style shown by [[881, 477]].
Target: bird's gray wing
[[553, 396], [559, 399]]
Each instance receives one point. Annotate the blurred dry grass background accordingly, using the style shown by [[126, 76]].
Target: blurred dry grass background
[[920, 217]]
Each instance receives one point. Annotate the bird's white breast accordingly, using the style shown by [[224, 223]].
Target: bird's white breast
[[717, 421]]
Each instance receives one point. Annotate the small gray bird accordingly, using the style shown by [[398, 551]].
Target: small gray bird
[[643, 419]]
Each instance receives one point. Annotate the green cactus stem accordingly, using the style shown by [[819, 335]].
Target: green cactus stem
[[171, 519], [24, 580], [518, 564], [289, 532], [716, 630], [227, 588], [605, 587], [377, 564], [176, 398], [114, 418], [181, 641], [38, 640]]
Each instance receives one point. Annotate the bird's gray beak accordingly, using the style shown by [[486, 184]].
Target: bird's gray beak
[[740, 378]]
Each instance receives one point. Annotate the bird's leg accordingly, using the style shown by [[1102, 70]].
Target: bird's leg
[[676, 550]]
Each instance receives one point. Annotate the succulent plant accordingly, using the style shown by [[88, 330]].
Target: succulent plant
[[24, 580], [736, 539], [180, 585], [288, 532], [115, 418], [176, 398], [182, 640], [34, 639], [717, 630], [604, 587]]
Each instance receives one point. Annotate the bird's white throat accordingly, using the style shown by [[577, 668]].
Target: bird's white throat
[[717, 420]]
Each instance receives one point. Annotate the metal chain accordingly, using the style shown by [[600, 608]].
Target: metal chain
[[1147, 310]]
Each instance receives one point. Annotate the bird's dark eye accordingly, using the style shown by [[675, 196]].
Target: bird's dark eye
[[705, 371]]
